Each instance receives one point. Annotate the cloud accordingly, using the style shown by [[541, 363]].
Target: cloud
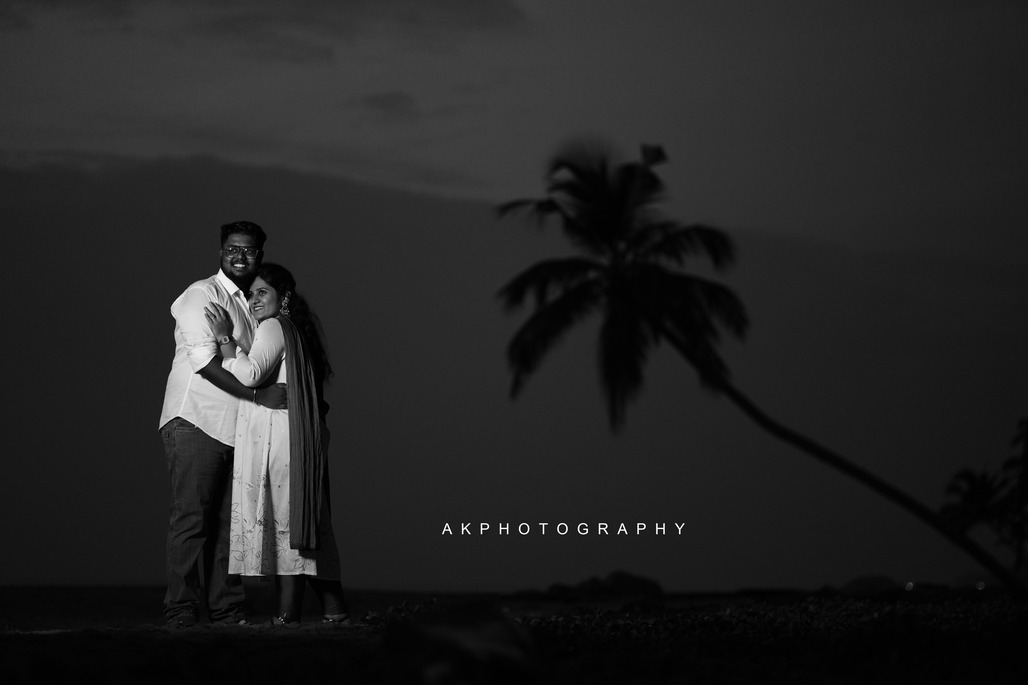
[[306, 31], [299, 32], [392, 106], [13, 19], [19, 14], [261, 20]]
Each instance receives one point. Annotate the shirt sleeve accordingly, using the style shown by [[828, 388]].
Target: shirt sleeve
[[268, 349], [197, 336]]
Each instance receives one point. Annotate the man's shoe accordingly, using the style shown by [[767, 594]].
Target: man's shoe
[[236, 621], [181, 622], [339, 620]]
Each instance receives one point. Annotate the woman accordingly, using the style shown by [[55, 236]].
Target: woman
[[281, 519]]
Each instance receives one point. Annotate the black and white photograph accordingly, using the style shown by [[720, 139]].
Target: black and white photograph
[[514, 341]]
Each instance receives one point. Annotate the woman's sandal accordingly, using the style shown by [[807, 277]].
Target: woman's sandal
[[285, 620]]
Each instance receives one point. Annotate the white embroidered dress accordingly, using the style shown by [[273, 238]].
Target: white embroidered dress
[[260, 475]]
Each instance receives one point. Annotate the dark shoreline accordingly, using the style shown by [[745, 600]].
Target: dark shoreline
[[70, 607], [116, 635]]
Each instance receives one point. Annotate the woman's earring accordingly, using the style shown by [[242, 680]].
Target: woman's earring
[[285, 306]]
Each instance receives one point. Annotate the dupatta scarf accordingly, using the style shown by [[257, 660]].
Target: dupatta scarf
[[306, 450]]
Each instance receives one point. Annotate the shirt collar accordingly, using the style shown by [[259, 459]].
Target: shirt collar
[[229, 285]]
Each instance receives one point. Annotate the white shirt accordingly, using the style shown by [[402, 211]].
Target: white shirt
[[265, 357], [188, 394]]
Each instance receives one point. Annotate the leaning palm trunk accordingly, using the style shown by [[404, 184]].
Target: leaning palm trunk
[[629, 273], [825, 455]]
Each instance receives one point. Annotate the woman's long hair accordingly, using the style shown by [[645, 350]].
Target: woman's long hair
[[302, 316]]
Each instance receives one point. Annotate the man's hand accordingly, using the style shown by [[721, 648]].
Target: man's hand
[[272, 397]]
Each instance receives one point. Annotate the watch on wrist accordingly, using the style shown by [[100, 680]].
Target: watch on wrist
[[225, 340]]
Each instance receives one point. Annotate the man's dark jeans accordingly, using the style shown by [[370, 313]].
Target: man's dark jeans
[[198, 530]]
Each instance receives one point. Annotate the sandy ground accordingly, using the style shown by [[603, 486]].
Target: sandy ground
[[116, 635]]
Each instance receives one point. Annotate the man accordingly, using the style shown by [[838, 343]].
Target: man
[[198, 425]]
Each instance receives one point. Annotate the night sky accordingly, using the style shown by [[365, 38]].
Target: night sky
[[869, 159]]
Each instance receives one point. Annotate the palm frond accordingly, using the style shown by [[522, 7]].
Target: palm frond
[[545, 278], [700, 351], [670, 241], [1021, 437], [636, 188], [690, 312], [546, 326], [722, 304], [977, 497], [1015, 468], [537, 210], [583, 157], [652, 155], [600, 199], [691, 303]]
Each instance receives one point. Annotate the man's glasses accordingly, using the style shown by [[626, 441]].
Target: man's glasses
[[233, 250]]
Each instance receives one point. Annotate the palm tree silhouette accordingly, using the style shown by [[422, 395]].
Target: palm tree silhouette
[[975, 498], [1015, 471], [627, 273], [997, 501]]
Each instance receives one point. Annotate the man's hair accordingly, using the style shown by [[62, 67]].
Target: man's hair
[[247, 228]]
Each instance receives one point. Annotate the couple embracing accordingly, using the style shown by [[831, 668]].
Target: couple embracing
[[245, 440]]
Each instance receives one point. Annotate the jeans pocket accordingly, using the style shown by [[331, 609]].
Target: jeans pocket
[[175, 434]]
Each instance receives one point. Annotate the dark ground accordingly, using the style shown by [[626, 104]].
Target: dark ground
[[116, 635]]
